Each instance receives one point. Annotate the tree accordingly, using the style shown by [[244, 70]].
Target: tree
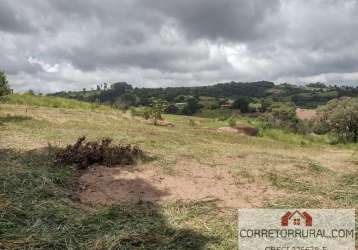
[[179, 98], [242, 103], [158, 107], [283, 116], [266, 104], [340, 118], [30, 92], [4, 85], [191, 107], [172, 109], [121, 87], [128, 99]]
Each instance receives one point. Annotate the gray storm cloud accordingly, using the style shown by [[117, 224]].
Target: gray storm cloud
[[56, 45]]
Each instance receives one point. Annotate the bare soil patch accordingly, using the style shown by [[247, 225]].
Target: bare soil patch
[[188, 182], [227, 129], [240, 129], [306, 114]]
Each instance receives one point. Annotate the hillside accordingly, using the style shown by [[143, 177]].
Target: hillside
[[185, 197], [308, 96], [46, 101]]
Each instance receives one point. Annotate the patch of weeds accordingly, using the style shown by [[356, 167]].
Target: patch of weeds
[[14, 119], [291, 183], [311, 166], [31, 220], [83, 154], [192, 123], [354, 158], [348, 195], [232, 122], [315, 167], [350, 180], [296, 201], [205, 216]]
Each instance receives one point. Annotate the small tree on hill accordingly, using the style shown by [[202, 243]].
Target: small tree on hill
[[172, 109], [128, 99], [158, 107], [282, 116], [242, 103], [340, 118], [266, 104], [4, 85], [191, 107]]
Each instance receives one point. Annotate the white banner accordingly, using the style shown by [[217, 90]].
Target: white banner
[[296, 229]]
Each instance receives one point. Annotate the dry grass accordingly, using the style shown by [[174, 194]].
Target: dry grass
[[40, 211]]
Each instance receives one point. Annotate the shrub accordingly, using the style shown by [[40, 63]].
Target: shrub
[[158, 107], [266, 104], [83, 154], [192, 106], [242, 103], [172, 109], [4, 86], [340, 118], [284, 116], [192, 123], [144, 112], [232, 122]]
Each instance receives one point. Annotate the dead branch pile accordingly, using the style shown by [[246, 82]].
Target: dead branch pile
[[85, 153]]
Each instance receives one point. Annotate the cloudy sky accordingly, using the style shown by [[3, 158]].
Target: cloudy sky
[[56, 45]]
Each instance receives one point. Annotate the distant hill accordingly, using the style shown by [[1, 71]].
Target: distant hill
[[308, 96]]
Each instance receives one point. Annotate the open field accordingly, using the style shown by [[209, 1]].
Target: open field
[[185, 198]]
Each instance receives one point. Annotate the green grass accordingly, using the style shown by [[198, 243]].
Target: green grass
[[49, 101], [293, 139], [220, 114], [37, 212], [38, 200]]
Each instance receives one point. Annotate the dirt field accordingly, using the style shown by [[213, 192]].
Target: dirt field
[[189, 192], [187, 182]]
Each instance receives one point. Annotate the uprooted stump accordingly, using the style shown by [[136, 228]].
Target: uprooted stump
[[85, 153]]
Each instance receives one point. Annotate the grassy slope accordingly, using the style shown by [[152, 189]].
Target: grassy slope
[[37, 209], [48, 101]]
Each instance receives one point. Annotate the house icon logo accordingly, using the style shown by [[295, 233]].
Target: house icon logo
[[296, 218]]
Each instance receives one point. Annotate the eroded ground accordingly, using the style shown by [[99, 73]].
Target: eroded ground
[[186, 182]]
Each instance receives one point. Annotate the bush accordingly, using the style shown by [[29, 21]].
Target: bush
[[340, 118], [192, 106], [242, 103], [232, 122], [4, 86], [83, 154], [144, 112], [172, 109], [284, 116], [158, 107], [192, 123]]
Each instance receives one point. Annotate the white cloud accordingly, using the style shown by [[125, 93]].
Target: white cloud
[[45, 66]]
